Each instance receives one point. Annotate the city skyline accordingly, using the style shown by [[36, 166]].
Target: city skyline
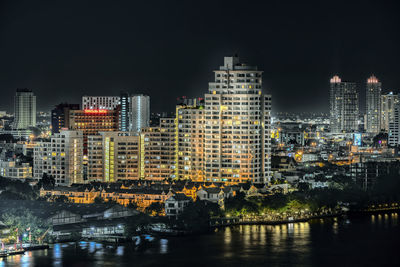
[[199, 133], [298, 55], [360, 88]]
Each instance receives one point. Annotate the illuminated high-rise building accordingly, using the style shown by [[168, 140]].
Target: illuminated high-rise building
[[190, 141], [158, 145], [134, 109], [344, 109], [93, 121], [373, 105], [60, 157], [114, 156], [95, 158], [24, 109], [237, 125], [394, 127], [388, 102], [140, 112], [148, 155], [125, 112]]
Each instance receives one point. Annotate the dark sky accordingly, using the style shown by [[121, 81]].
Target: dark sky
[[65, 49]]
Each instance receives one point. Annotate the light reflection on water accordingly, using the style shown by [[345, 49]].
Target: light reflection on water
[[163, 246], [286, 244], [120, 251], [258, 237], [57, 255]]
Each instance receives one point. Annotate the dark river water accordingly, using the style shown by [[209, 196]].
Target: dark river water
[[372, 240]]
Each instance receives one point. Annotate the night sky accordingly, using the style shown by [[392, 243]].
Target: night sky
[[65, 49]]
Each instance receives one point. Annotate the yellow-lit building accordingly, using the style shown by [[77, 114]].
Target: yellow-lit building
[[237, 126], [93, 121], [114, 156], [61, 157], [158, 148], [190, 142]]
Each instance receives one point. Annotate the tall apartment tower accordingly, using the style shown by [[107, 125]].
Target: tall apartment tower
[[125, 112], [24, 109], [237, 127], [60, 157], [158, 148], [373, 105], [93, 121], [140, 112], [190, 141], [394, 127], [344, 109], [388, 102]]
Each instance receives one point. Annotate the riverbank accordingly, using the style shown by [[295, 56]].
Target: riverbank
[[11, 249], [223, 222], [232, 221]]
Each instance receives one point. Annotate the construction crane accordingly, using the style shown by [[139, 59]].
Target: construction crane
[[40, 238]]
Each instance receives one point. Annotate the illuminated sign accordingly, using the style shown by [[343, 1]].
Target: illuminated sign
[[95, 111], [357, 139]]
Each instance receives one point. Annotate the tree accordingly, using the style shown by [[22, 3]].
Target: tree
[[155, 208], [196, 216], [99, 200], [17, 189], [132, 205], [303, 187], [20, 219], [387, 188], [137, 223], [10, 195], [46, 181], [61, 199], [7, 137], [379, 138]]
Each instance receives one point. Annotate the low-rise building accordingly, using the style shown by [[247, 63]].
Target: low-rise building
[[12, 169], [176, 204], [215, 194]]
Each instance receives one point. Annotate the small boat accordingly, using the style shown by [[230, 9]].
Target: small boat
[[15, 252]]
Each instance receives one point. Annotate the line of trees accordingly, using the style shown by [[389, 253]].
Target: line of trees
[[20, 221]]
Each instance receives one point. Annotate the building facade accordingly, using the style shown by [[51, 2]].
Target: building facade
[[93, 121], [190, 142], [125, 113], [140, 112], [60, 157], [159, 162], [113, 156], [394, 127], [373, 105], [237, 128], [24, 109], [122, 155], [60, 116], [13, 169], [388, 102], [95, 158], [344, 105], [100, 102]]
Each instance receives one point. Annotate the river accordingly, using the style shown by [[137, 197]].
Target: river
[[371, 240]]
